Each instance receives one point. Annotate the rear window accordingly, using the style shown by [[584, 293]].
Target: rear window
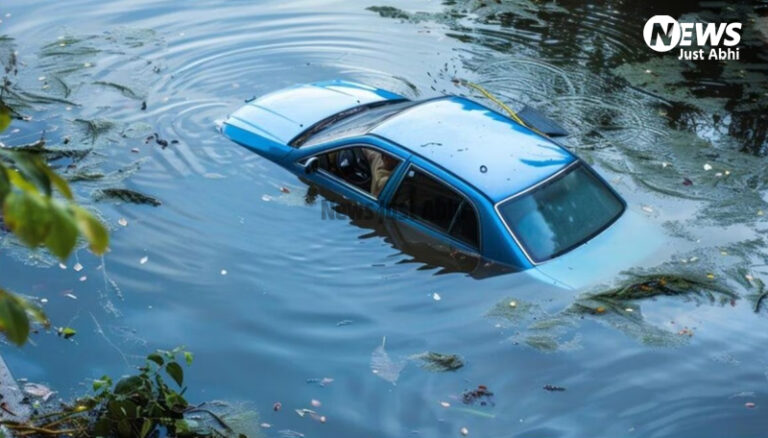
[[424, 198], [355, 121], [561, 214]]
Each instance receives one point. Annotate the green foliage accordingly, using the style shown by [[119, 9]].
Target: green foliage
[[38, 207], [140, 405]]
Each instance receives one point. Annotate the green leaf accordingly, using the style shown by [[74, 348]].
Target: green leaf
[[146, 428], [124, 428], [27, 215], [13, 318], [128, 385], [93, 230], [67, 332], [57, 181], [34, 170], [5, 117], [104, 382], [62, 236], [174, 370], [5, 183], [188, 357], [156, 358]]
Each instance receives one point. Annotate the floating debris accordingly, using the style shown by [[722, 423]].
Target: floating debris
[[479, 395], [383, 366], [439, 362], [126, 195], [37, 390], [553, 388], [325, 381], [277, 406], [66, 332]]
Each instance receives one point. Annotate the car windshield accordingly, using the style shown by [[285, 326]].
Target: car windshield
[[561, 214], [355, 121]]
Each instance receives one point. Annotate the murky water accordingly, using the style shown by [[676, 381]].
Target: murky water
[[272, 299]]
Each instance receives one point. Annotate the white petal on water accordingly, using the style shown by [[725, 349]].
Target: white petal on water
[[144, 259], [70, 295], [223, 272], [647, 209], [316, 403], [78, 267], [83, 278], [62, 266], [123, 222], [38, 390], [445, 404], [436, 296], [707, 166]]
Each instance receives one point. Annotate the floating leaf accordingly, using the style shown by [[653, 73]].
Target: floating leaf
[[383, 366], [439, 362], [67, 332], [126, 195]]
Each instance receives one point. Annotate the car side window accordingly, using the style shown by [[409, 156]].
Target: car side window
[[365, 168], [425, 198]]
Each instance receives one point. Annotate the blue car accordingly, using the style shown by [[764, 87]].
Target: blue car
[[449, 167]]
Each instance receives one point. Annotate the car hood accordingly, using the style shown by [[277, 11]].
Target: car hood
[[632, 241], [282, 115]]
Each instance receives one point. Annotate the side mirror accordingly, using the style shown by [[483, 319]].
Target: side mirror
[[311, 165]]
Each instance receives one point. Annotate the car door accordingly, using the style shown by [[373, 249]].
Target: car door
[[357, 171], [430, 204]]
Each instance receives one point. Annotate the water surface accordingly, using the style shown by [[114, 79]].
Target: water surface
[[270, 297]]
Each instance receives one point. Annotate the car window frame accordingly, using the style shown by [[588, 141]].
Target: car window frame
[[551, 179], [346, 184], [466, 199]]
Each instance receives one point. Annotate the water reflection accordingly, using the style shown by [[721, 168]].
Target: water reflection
[[427, 252]]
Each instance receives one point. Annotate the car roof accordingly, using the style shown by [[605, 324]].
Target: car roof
[[484, 148]]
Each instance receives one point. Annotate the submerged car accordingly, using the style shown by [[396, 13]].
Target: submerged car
[[449, 167]]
